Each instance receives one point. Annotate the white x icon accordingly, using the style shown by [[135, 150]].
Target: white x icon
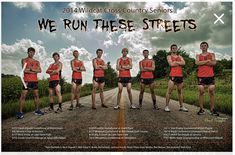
[[219, 18]]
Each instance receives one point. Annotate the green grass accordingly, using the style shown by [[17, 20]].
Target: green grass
[[10, 108], [223, 95]]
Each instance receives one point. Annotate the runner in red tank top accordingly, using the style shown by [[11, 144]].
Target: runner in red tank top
[[54, 70], [176, 77], [206, 61], [124, 64], [98, 78], [147, 66], [77, 68], [31, 81]]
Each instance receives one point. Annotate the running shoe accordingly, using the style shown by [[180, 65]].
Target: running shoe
[[71, 107], [79, 105], [214, 112], [167, 109], [39, 112], [183, 109], [104, 106], [201, 112], [20, 115], [116, 107], [58, 110], [155, 107], [133, 107]]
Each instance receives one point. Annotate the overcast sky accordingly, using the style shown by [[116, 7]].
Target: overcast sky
[[20, 30]]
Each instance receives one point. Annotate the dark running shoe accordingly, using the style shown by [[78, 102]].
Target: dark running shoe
[[71, 108], [104, 106], [58, 110], [20, 115], [155, 107], [79, 105], [214, 112], [39, 112], [201, 112]]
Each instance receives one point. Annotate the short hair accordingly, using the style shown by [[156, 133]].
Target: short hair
[[146, 50], [75, 51], [55, 53], [31, 49], [98, 50], [204, 43], [125, 49], [173, 46]]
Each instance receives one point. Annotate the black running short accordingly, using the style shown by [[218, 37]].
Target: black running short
[[206, 80], [77, 81], [124, 80], [99, 79], [53, 84], [30, 85], [176, 79], [147, 81]]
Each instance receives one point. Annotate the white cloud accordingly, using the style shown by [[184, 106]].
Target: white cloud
[[69, 37], [47, 32], [109, 39], [40, 42], [35, 6]]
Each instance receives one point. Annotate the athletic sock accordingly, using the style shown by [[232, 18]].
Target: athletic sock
[[154, 102], [140, 101], [60, 105]]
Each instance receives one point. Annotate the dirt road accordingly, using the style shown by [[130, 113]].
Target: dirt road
[[106, 129]]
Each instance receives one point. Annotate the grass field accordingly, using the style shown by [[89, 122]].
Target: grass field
[[223, 94]]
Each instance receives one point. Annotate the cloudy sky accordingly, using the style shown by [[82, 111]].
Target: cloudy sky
[[20, 30]]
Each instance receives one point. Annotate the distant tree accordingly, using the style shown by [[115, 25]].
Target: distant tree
[[161, 64], [227, 64], [110, 76]]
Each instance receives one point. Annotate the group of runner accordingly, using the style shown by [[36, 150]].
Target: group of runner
[[205, 61]]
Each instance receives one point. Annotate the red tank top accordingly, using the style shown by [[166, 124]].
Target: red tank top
[[54, 77], [176, 71], [204, 70], [99, 72], [77, 75], [31, 77], [146, 74], [124, 62]]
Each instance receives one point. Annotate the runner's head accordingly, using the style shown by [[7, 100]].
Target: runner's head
[[56, 56], [204, 46], [174, 49], [31, 52], [75, 54], [99, 52], [145, 53], [124, 52]]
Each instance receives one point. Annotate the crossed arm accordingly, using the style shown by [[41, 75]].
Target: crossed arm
[[52, 72], [31, 69], [126, 67], [104, 66], [175, 63], [206, 62], [81, 69], [147, 68]]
